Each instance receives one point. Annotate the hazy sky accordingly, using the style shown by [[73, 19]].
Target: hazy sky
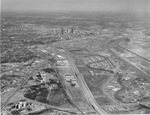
[[76, 5]]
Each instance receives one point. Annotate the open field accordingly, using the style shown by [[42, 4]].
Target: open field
[[95, 83], [102, 101]]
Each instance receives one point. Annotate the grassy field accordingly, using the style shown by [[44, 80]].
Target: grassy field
[[102, 101], [95, 83]]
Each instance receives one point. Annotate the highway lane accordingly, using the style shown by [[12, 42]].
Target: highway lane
[[84, 87], [89, 96], [68, 93], [115, 43], [80, 78], [23, 82], [129, 64], [111, 78], [46, 61], [125, 61], [132, 52], [86, 90], [45, 57]]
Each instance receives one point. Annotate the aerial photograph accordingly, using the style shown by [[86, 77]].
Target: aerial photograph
[[75, 57]]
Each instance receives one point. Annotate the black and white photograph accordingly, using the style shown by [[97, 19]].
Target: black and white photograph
[[75, 57]]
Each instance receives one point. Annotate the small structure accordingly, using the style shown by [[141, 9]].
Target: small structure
[[21, 104], [74, 83], [44, 51], [68, 77], [60, 57], [72, 80], [91, 72], [62, 63]]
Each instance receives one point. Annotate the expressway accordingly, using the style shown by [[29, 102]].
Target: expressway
[[115, 43], [38, 67], [112, 77], [133, 52], [87, 93], [84, 86], [46, 57], [82, 83]]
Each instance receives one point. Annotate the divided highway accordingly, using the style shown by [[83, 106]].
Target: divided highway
[[84, 86]]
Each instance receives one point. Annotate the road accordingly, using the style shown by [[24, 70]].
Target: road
[[68, 110], [111, 78], [23, 82], [46, 61], [87, 93], [132, 52], [84, 86], [116, 44], [45, 57]]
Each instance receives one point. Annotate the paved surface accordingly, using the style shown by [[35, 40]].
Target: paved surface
[[87, 93], [84, 87], [133, 52], [23, 82], [45, 57]]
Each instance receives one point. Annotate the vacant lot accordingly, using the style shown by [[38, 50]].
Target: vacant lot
[[102, 101], [95, 83]]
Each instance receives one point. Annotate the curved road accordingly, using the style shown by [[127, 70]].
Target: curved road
[[84, 86]]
